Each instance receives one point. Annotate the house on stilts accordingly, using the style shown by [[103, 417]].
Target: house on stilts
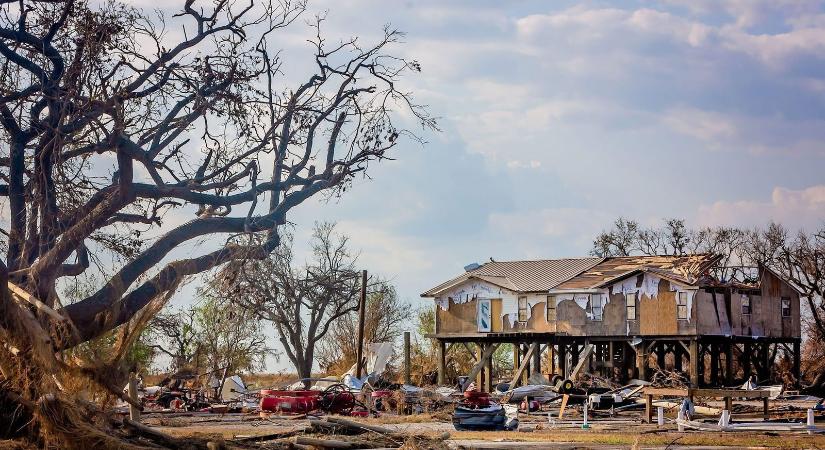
[[622, 317]]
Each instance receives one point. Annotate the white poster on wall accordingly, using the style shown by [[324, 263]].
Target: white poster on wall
[[485, 315]]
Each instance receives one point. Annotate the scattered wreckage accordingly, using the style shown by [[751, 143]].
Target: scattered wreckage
[[582, 399]]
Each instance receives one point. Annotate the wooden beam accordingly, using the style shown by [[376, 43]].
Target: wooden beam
[[470, 351], [536, 366], [797, 356], [487, 354], [441, 355], [694, 363], [524, 362], [584, 358], [729, 363], [709, 393], [488, 374]]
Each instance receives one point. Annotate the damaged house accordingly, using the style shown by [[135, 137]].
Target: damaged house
[[621, 316]]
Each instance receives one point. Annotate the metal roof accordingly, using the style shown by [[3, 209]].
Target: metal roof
[[522, 276]]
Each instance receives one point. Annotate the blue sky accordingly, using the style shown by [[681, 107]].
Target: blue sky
[[557, 117]]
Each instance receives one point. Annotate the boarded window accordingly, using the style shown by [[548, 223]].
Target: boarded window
[[682, 306], [596, 307], [522, 309], [551, 308], [631, 305], [786, 307], [746, 305]]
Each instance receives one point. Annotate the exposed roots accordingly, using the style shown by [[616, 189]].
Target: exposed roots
[[40, 403], [66, 426]]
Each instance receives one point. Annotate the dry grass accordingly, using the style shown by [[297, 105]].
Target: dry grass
[[630, 436], [415, 418], [656, 439]]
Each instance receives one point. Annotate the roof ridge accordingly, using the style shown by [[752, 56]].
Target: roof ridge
[[577, 258], [687, 255]]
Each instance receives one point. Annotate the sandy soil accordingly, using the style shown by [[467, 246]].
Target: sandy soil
[[603, 434]]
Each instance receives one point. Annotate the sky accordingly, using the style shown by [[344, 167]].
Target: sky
[[557, 117]]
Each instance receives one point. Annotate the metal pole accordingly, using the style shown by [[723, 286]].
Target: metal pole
[[361, 307]]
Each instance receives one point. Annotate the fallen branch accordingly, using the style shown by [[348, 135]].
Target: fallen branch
[[152, 434], [361, 426], [323, 443], [323, 426], [270, 436]]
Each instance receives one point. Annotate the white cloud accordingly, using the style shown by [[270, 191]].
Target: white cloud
[[756, 135], [776, 50], [704, 125], [550, 232], [803, 208], [516, 164]]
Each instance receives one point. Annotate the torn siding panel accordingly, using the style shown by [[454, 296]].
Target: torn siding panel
[[457, 308], [468, 291], [711, 313], [457, 318], [644, 284]]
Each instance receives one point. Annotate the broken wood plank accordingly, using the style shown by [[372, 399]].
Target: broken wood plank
[[584, 358], [487, 354], [360, 426], [563, 405], [525, 361], [270, 436]]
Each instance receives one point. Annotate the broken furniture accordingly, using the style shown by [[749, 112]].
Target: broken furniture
[[727, 394]]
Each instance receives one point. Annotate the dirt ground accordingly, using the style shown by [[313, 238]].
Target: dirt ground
[[534, 432]]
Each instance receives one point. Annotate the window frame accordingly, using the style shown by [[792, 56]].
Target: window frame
[[782, 301], [747, 310], [551, 306], [520, 309], [600, 317], [682, 307], [634, 306]]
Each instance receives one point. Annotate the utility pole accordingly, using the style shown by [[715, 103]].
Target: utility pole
[[407, 378], [362, 304]]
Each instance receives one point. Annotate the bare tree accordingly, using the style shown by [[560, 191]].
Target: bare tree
[[673, 237], [175, 334], [799, 258], [622, 240], [109, 122], [228, 337], [301, 301], [384, 318]]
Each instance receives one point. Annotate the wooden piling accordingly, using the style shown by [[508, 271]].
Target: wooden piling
[[694, 363], [441, 355]]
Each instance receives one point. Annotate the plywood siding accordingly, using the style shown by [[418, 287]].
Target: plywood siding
[[765, 318], [458, 318], [709, 313]]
